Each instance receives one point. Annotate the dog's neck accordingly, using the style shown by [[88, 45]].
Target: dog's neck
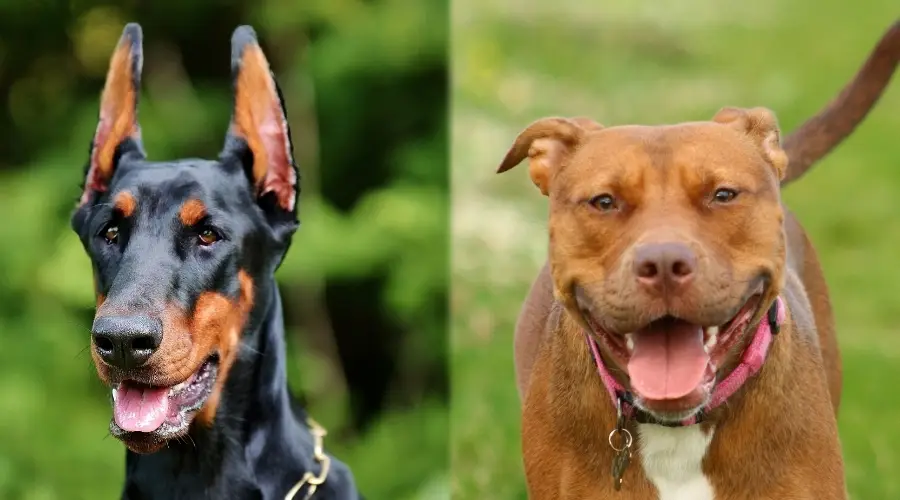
[[259, 445], [573, 399]]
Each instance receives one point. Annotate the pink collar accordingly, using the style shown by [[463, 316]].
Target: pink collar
[[751, 362]]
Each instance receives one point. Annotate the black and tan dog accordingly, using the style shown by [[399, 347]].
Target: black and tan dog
[[189, 331], [680, 344]]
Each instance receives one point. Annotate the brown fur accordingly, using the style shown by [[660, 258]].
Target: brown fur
[[775, 438], [256, 110], [669, 173], [125, 203], [216, 324], [192, 212], [118, 119]]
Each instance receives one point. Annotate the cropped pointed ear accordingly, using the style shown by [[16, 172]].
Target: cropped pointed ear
[[548, 143], [259, 126], [118, 132], [761, 127]]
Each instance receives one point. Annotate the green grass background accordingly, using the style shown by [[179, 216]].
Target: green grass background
[[663, 62]]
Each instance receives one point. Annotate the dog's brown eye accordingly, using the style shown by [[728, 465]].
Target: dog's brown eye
[[604, 202], [208, 237], [111, 235], [724, 195]]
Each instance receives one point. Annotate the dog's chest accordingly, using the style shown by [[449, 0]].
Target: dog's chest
[[672, 459]]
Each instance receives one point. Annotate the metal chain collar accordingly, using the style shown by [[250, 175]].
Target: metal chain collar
[[309, 479]]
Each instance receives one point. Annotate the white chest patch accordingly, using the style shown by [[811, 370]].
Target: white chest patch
[[672, 458]]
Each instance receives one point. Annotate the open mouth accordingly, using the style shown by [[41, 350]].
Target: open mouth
[[672, 363], [154, 414]]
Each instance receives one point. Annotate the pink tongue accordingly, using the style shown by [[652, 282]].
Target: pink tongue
[[140, 409], [668, 361]]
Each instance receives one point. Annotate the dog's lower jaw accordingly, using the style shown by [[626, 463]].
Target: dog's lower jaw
[[255, 428], [668, 394], [144, 447], [181, 405]]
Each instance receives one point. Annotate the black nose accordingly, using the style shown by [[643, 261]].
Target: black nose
[[126, 341]]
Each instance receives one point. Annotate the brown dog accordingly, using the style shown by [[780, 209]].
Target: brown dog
[[677, 274]]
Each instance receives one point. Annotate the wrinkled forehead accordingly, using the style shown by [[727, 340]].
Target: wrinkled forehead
[[158, 188], [684, 153]]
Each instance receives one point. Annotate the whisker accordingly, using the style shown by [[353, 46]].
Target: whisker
[[251, 350], [82, 351]]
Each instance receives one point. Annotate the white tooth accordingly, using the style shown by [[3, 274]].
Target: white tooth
[[629, 341], [713, 334], [114, 395]]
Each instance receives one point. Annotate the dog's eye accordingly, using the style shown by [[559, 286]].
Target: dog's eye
[[207, 237], [111, 235], [724, 195], [604, 202]]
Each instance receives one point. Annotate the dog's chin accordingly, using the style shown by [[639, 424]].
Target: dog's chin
[[671, 364], [145, 417]]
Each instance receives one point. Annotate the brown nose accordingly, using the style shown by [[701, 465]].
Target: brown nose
[[664, 266]]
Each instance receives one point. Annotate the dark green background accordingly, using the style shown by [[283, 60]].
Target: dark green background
[[365, 85]]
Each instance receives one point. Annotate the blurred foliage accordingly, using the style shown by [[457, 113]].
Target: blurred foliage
[[365, 84], [664, 62]]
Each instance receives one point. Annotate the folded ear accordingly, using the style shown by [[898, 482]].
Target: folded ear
[[118, 132], [547, 143], [761, 127], [259, 125]]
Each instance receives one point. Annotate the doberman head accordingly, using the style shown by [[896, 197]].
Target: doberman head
[[181, 249]]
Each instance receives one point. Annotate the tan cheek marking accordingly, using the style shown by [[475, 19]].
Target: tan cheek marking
[[218, 323], [125, 203], [192, 212], [176, 358], [102, 371]]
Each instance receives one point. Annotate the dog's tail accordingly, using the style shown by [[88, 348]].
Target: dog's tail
[[816, 137]]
